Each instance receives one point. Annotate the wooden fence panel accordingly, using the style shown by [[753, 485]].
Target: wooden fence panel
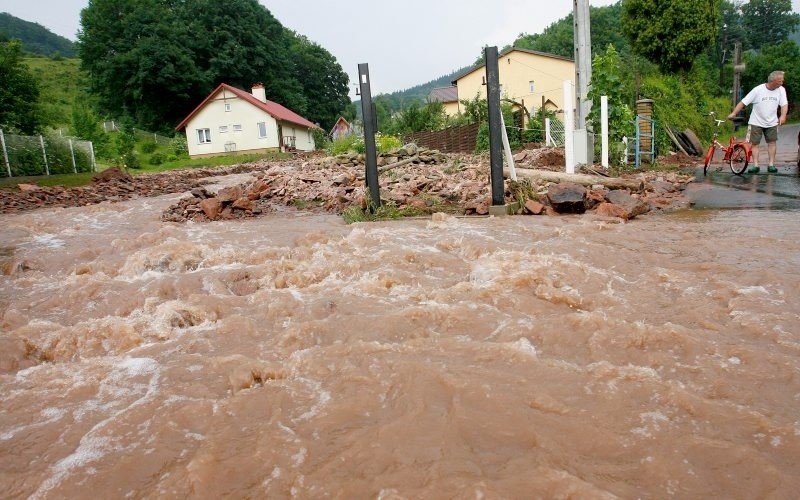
[[460, 139]]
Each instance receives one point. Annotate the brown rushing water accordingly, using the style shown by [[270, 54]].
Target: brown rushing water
[[295, 356]]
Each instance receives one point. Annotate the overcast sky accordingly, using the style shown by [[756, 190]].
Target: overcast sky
[[405, 43]]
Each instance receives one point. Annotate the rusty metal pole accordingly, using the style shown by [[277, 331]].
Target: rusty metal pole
[[370, 127]]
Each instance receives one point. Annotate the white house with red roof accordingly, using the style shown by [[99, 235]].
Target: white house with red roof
[[232, 121]]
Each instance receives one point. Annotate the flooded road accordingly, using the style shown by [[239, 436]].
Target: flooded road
[[293, 356], [721, 189]]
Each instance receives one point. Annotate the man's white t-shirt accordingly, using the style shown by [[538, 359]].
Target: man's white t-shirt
[[765, 105]]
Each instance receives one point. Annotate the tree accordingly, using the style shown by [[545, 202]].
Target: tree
[[784, 56], [155, 60], [325, 84], [610, 78], [558, 38], [671, 33], [417, 118], [19, 94], [768, 22]]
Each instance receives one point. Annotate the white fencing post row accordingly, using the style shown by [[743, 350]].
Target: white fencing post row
[[5, 153], [72, 153], [604, 130], [569, 147], [44, 155]]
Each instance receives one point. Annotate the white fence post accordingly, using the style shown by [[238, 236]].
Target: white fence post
[[569, 148], [5, 153], [44, 155], [548, 138], [72, 154], [91, 152], [604, 130]]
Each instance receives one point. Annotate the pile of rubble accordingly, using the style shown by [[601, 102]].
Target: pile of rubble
[[418, 180], [111, 185]]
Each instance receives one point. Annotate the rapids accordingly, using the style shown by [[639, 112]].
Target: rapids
[[295, 356]]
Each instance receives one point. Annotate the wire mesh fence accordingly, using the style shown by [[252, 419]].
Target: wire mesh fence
[[24, 155], [554, 132]]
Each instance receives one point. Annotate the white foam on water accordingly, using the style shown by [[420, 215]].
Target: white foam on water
[[48, 241], [525, 346], [115, 391]]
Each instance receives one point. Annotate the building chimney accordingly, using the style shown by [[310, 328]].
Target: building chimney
[[259, 92]]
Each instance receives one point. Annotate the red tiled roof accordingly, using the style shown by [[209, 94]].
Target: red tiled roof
[[274, 109]]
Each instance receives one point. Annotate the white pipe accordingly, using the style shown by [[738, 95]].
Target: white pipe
[[507, 148]]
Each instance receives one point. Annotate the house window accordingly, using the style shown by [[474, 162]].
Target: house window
[[237, 128], [262, 129], [204, 135], [227, 106], [531, 87], [223, 129]]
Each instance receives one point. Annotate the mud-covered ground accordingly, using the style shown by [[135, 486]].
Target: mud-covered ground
[[426, 181]]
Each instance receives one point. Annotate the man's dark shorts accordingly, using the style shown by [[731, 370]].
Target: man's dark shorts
[[755, 133]]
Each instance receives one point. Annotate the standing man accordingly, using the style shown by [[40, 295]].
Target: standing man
[[764, 120]]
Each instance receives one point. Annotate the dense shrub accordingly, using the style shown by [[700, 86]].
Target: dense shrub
[[148, 147]]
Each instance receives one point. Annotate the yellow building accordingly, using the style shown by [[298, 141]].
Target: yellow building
[[528, 78]]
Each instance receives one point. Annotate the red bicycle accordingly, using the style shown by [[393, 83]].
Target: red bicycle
[[737, 153]]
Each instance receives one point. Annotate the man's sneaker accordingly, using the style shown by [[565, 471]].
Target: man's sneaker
[[772, 169], [753, 170]]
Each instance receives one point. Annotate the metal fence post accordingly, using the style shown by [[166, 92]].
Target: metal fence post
[[44, 155], [5, 153], [72, 154]]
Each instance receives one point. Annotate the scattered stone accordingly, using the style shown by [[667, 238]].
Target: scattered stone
[[433, 182], [567, 198]]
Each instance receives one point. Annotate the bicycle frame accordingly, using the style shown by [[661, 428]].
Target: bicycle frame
[[737, 154]]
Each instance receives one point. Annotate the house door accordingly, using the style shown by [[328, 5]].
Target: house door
[[280, 139]]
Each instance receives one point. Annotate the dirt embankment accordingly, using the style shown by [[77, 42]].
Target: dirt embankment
[[427, 181]]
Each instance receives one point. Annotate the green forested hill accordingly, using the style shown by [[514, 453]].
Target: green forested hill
[[35, 38], [401, 99]]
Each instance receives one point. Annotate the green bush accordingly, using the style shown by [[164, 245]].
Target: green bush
[[158, 158], [346, 144], [179, 146], [386, 142], [148, 147]]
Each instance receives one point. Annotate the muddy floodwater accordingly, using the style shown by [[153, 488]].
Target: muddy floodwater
[[294, 356]]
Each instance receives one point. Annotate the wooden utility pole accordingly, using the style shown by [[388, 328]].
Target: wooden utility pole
[[738, 69]]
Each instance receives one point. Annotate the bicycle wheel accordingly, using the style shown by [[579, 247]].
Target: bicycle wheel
[[709, 157], [738, 161]]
